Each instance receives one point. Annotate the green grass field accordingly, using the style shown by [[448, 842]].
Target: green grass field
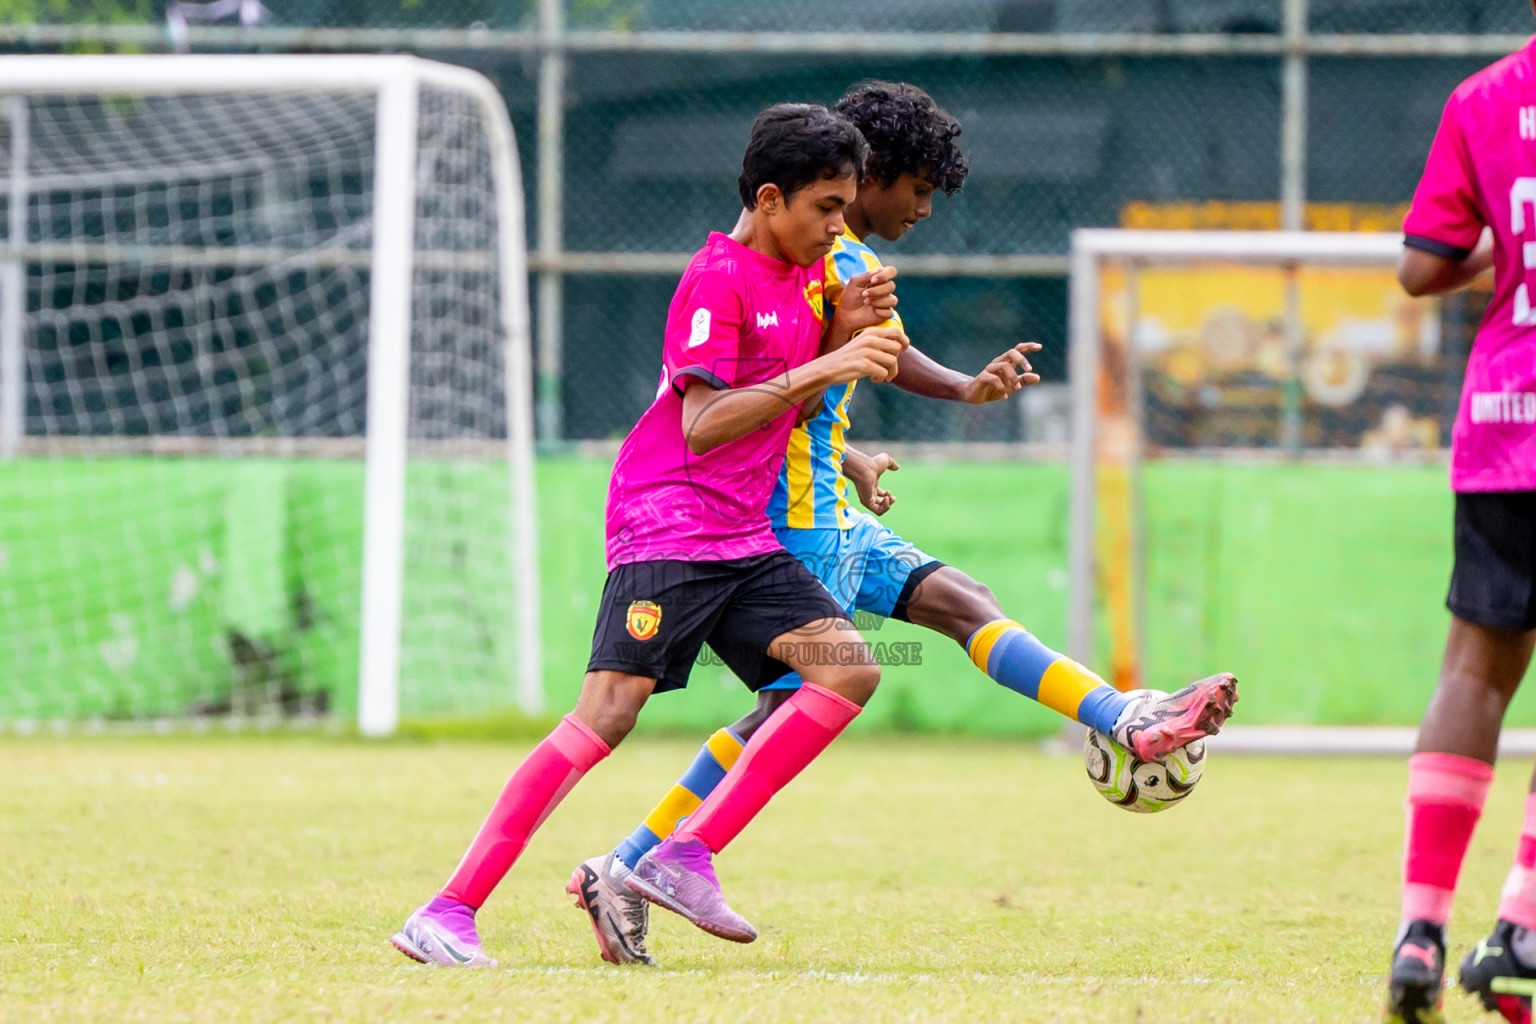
[[258, 879]]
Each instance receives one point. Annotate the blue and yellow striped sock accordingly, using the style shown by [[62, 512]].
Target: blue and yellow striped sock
[[720, 752], [1013, 656]]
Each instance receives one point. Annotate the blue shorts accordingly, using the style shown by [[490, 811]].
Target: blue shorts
[[868, 568]]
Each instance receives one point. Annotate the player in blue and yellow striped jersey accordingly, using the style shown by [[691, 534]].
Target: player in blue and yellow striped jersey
[[866, 565], [812, 493]]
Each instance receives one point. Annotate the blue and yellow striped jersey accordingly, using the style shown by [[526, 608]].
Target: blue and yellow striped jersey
[[812, 492]]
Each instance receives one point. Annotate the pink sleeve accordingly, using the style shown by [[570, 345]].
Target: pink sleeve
[[1445, 218], [704, 337]]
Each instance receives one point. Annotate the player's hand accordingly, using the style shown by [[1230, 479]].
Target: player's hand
[[865, 474], [868, 299], [1003, 376], [872, 354]]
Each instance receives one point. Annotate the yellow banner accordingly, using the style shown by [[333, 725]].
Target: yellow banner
[[1215, 360], [1198, 356], [1216, 215]]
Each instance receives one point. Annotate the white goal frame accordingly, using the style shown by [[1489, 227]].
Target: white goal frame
[[395, 81], [1091, 249]]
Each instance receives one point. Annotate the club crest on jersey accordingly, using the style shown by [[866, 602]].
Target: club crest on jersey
[[813, 296], [643, 620]]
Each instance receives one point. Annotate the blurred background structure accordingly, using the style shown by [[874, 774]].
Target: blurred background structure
[[1170, 114], [631, 116]]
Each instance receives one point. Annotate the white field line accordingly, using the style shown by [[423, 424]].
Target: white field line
[[1317, 740], [894, 978], [1282, 740], [1393, 741]]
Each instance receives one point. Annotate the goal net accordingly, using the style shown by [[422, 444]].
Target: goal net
[[265, 438], [1260, 425]]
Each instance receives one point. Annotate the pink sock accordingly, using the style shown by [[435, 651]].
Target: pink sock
[[777, 752], [535, 789], [1518, 901], [1445, 799]]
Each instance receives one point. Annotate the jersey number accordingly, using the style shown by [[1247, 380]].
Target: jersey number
[[1521, 195]]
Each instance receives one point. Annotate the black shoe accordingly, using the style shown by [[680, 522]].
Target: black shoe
[[1418, 969], [1495, 975]]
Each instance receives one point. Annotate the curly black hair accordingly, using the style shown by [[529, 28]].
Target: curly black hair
[[796, 144], [908, 133]]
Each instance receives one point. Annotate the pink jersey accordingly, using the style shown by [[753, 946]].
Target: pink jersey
[[737, 318], [1482, 172]]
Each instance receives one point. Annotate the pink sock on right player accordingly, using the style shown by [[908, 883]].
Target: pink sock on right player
[[779, 750], [1445, 799], [549, 772], [1517, 903]]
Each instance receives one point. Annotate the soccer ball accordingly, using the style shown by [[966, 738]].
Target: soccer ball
[[1145, 787]]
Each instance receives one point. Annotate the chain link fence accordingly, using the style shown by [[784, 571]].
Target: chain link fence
[[1076, 113], [948, 16], [654, 142], [917, 16]]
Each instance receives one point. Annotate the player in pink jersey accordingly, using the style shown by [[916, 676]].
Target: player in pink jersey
[[691, 555], [1476, 207]]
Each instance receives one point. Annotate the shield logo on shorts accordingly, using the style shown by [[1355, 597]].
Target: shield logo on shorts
[[643, 620]]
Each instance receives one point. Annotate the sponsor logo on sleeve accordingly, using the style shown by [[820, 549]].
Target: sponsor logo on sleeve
[[699, 333]]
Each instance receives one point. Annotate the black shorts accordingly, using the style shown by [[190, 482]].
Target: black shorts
[[1494, 581], [655, 617]]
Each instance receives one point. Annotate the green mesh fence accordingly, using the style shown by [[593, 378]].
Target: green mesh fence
[[1237, 556], [650, 151]]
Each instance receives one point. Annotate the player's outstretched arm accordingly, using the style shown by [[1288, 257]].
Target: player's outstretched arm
[[865, 470], [1424, 273], [1004, 375], [712, 417]]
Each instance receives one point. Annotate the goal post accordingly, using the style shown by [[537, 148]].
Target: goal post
[[266, 270], [1257, 468]]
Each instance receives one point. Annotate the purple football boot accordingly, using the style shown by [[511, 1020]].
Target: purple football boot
[[442, 933], [680, 877]]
